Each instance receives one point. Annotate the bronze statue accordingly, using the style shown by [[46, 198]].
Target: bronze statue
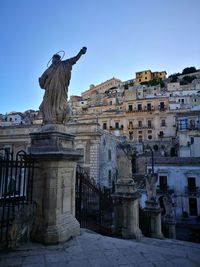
[[55, 81]]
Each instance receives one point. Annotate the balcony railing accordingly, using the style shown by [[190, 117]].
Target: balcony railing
[[192, 190], [164, 190], [141, 110], [145, 109], [116, 128]]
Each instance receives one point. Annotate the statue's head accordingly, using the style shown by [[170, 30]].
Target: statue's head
[[56, 58]]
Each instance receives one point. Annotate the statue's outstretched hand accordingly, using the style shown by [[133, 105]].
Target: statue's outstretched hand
[[83, 50]]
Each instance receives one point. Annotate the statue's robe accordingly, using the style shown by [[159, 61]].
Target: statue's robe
[[55, 81]]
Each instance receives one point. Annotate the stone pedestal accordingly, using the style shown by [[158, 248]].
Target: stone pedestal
[[126, 220], [170, 226], [54, 184], [152, 209]]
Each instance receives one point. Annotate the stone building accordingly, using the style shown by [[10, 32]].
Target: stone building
[[101, 88], [97, 147], [140, 113], [188, 133], [147, 75], [11, 118]]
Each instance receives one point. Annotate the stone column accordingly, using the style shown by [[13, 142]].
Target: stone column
[[126, 219], [154, 214], [54, 185], [170, 226]]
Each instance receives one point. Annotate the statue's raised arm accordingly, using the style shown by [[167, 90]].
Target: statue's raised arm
[[77, 57], [55, 81]]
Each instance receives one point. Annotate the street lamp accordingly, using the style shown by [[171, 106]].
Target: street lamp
[[152, 158]]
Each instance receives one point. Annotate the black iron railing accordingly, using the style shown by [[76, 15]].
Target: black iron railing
[[16, 185], [94, 207]]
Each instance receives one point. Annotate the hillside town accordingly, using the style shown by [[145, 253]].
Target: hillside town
[[147, 125]]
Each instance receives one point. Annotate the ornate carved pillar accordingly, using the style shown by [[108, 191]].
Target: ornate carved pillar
[[127, 209], [154, 214], [54, 184]]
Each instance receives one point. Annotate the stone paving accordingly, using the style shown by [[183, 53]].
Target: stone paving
[[93, 250]]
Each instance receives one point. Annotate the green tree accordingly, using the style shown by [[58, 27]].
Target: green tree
[[189, 70], [187, 80]]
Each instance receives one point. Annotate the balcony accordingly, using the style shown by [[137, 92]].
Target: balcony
[[192, 191], [162, 109], [144, 109], [143, 127], [117, 128], [164, 189]]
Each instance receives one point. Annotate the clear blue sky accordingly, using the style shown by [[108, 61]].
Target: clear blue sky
[[122, 37]]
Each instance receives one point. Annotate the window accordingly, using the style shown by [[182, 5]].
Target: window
[[110, 102], [183, 124], [130, 125], [149, 106], [139, 124], [6, 152], [109, 154], [139, 107], [191, 184], [162, 106], [193, 206], [139, 132], [81, 152], [130, 108], [163, 183], [192, 124], [163, 123], [161, 134], [116, 125], [192, 140], [149, 137], [110, 178], [140, 138], [149, 131], [182, 101], [149, 123], [104, 125]]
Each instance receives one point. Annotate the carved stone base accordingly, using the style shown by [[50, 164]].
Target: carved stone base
[[127, 209], [170, 226], [153, 210], [58, 232], [54, 185]]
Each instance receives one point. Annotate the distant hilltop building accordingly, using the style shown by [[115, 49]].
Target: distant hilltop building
[[102, 87], [148, 75], [19, 118]]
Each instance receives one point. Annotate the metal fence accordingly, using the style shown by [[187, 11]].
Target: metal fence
[[16, 184], [145, 222], [94, 207]]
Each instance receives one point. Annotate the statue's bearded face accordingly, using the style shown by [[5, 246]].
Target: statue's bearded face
[[56, 59]]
